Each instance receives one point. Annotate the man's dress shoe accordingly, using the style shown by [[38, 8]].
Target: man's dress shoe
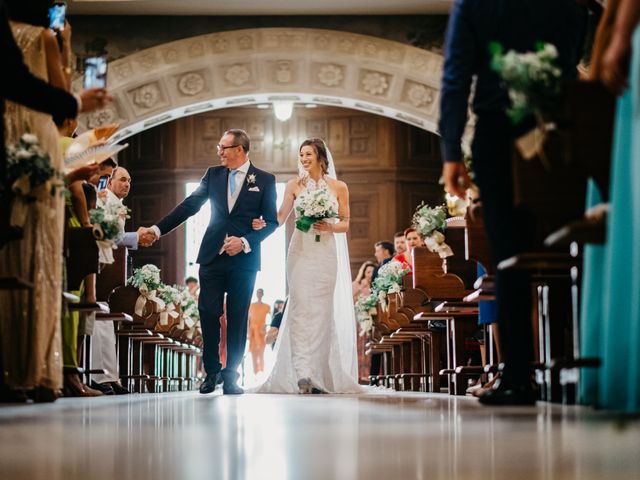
[[509, 394], [231, 389], [119, 389], [103, 387], [209, 384]]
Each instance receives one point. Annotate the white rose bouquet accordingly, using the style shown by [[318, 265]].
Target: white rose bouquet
[[108, 227], [30, 176], [190, 312], [314, 206], [430, 223], [389, 280]]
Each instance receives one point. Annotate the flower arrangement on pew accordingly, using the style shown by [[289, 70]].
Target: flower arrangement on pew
[[535, 83], [30, 177], [314, 206], [430, 223], [108, 227], [389, 280], [147, 280], [365, 308], [189, 306], [171, 296]]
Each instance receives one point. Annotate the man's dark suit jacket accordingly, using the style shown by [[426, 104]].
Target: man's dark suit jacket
[[254, 200]]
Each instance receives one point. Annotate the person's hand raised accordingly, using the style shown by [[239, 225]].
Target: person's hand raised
[[94, 99]]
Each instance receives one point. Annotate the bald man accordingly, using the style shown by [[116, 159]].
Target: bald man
[[103, 351]]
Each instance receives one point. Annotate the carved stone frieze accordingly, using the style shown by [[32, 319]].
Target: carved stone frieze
[[220, 45], [331, 75], [418, 95], [146, 96], [191, 83], [319, 66], [102, 117], [238, 75], [374, 83]]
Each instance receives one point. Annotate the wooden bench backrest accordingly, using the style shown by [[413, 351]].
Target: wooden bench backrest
[[429, 277], [113, 275]]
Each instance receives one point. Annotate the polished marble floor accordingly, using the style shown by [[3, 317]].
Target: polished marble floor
[[384, 436]]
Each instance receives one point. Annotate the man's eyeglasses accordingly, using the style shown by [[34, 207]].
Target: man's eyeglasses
[[222, 148]]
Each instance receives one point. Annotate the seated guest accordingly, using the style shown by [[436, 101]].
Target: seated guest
[[399, 243], [413, 239], [361, 286], [384, 254], [103, 352]]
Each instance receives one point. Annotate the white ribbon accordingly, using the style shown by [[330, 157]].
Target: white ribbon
[[169, 311], [105, 250], [145, 295]]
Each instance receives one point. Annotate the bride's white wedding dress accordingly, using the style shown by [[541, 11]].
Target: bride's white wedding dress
[[316, 340]]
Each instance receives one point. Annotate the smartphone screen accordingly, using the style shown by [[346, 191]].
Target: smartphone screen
[[95, 72], [56, 16], [102, 183]]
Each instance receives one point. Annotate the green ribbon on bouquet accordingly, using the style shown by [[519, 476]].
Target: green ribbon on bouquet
[[304, 224]]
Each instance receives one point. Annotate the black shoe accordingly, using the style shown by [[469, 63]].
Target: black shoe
[[105, 388], [209, 384], [509, 394], [119, 389], [231, 389]]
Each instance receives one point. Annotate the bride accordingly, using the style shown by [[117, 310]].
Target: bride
[[316, 347]]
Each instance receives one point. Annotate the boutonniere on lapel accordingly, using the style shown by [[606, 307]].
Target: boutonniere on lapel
[[251, 181]]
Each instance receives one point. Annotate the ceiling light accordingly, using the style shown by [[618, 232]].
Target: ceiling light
[[283, 109]]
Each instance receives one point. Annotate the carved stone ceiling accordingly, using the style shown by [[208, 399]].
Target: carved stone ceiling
[[259, 7], [248, 67]]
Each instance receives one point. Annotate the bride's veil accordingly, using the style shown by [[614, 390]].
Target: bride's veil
[[344, 313]]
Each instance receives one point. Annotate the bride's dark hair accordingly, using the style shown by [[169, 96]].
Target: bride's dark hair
[[321, 150]]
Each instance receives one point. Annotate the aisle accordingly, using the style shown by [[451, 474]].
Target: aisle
[[398, 437]]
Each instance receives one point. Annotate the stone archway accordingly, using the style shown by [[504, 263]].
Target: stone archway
[[245, 67]]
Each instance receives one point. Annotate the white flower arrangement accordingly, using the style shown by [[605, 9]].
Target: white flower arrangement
[[389, 280], [314, 206], [30, 177], [169, 294], [189, 306], [456, 206], [430, 223], [365, 307], [533, 80], [108, 227], [146, 278]]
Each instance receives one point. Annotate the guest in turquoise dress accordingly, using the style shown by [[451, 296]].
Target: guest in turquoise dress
[[611, 290]]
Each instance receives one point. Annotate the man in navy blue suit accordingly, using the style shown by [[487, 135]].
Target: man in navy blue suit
[[229, 256]]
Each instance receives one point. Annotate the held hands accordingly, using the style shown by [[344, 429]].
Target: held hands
[[146, 237], [232, 246], [258, 223]]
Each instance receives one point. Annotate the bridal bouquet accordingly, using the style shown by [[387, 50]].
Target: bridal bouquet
[[108, 227], [147, 280], [30, 176], [365, 307], [314, 206], [430, 223]]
